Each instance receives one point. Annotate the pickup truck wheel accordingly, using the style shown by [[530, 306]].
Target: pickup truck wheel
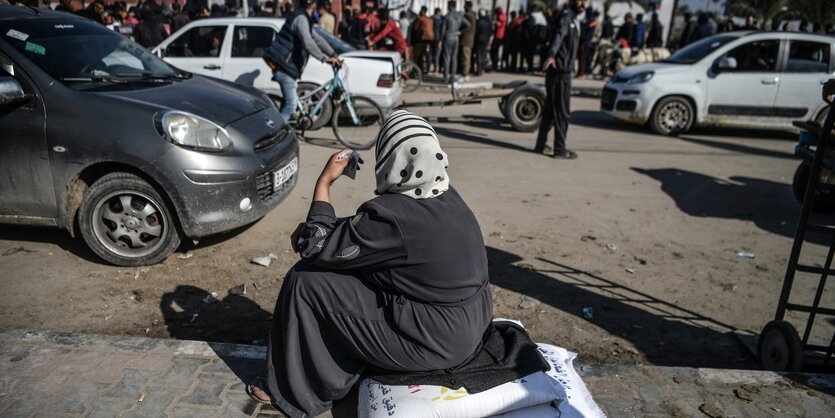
[[126, 222], [672, 116]]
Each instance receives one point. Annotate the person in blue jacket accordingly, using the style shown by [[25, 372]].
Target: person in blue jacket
[[288, 54]]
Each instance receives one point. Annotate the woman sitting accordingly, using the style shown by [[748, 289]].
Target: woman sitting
[[400, 286]]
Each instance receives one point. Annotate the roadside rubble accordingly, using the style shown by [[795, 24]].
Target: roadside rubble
[[264, 261], [238, 290], [528, 302]]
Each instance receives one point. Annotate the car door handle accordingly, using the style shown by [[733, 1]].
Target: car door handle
[[770, 81], [211, 67]]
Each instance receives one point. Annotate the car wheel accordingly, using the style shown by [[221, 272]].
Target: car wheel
[[524, 107], [672, 116], [824, 199], [125, 221]]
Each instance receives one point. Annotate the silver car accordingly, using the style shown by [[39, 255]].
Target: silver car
[[737, 79], [102, 138]]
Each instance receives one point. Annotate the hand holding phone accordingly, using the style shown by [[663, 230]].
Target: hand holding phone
[[355, 160]]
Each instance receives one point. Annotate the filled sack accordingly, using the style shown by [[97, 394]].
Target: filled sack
[[558, 392]]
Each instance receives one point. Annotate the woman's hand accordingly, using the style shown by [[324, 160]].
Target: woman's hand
[[334, 167]]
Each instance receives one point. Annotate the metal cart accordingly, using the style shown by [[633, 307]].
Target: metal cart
[[522, 107], [780, 347]]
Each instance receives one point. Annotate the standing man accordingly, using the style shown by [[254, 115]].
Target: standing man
[[639, 35], [468, 39], [435, 57], [499, 28], [454, 23], [287, 56], [423, 35], [558, 72], [687, 33], [326, 19], [483, 32]]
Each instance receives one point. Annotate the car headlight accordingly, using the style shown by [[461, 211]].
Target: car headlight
[[192, 131], [641, 77]]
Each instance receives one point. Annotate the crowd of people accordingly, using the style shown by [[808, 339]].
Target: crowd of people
[[449, 43]]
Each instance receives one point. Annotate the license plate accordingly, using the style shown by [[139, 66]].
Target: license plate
[[285, 173]]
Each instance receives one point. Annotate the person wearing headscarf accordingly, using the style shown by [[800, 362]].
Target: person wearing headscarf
[[400, 286]]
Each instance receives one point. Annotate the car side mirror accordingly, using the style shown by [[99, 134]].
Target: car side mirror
[[11, 93], [726, 64]]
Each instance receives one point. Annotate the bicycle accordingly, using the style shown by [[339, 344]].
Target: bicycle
[[355, 120], [410, 76]]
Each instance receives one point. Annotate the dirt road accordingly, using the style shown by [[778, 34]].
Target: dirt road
[[641, 233]]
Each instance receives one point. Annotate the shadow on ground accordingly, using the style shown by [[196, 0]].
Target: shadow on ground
[[54, 236], [77, 247], [770, 205], [600, 120], [231, 319], [666, 334]]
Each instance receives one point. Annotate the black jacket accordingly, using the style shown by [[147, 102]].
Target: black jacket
[[483, 31], [428, 250], [295, 43], [564, 43]]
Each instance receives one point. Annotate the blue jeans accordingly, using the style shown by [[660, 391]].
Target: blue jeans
[[288, 92]]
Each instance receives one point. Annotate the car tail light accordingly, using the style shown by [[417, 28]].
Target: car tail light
[[385, 80]]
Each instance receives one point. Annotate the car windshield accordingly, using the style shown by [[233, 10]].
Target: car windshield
[[335, 43], [699, 49], [85, 55]]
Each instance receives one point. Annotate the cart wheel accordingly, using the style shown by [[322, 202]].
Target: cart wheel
[[780, 348], [502, 107], [824, 200], [524, 106]]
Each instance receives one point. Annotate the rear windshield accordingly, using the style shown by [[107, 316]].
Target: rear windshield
[[697, 50], [83, 54]]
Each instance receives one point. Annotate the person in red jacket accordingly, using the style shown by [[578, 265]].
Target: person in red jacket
[[390, 32], [499, 27]]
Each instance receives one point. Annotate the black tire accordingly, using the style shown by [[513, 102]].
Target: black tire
[[411, 76], [325, 113], [144, 233], [502, 106], [363, 135], [672, 116], [523, 107], [824, 200], [822, 116], [779, 347]]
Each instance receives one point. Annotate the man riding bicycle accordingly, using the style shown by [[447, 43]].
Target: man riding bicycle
[[287, 56]]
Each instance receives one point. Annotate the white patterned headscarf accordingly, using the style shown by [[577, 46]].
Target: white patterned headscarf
[[409, 158]]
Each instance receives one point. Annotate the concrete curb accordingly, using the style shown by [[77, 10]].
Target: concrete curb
[[98, 375]]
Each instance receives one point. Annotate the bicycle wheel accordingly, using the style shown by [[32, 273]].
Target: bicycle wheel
[[355, 135], [410, 76], [324, 115]]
